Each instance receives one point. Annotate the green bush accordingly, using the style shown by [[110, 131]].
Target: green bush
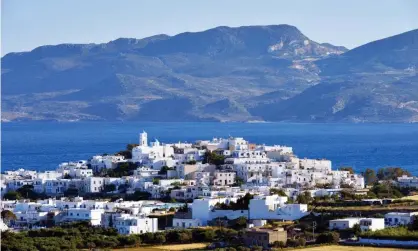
[[242, 248], [394, 233], [301, 242], [330, 237]]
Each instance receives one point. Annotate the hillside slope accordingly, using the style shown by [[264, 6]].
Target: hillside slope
[[246, 73]]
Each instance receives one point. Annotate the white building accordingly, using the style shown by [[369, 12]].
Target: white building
[[251, 166], [274, 207], [186, 223], [202, 209], [155, 156], [93, 216], [223, 178], [130, 224], [100, 162], [410, 182], [3, 227], [395, 219], [146, 172], [372, 224], [93, 184], [346, 223], [186, 193], [202, 178], [53, 187]]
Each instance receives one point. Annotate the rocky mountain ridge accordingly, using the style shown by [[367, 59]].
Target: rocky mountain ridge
[[271, 73]]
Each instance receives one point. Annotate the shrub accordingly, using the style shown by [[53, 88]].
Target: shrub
[[330, 237], [242, 248], [394, 233], [278, 244], [292, 243], [301, 242], [159, 238], [256, 248]]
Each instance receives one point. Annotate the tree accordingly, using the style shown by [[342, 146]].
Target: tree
[[184, 208], [330, 237], [123, 169], [159, 238], [203, 235], [240, 222], [147, 238], [26, 192], [356, 229], [12, 195], [164, 169], [129, 147], [91, 245], [242, 248], [256, 248], [278, 244], [138, 195], [129, 241], [413, 226], [238, 181], [304, 198], [301, 242], [292, 243], [369, 176], [391, 173], [213, 158], [7, 216], [241, 204], [185, 237], [125, 153], [385, 190], [279, 192], [109, 188], [155, 181], [71, 192]]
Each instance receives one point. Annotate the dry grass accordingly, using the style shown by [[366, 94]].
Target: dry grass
[[412, 197], [203, 245], [176, 247], [349, 248]]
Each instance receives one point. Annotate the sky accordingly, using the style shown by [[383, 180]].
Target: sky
[[27, 24]]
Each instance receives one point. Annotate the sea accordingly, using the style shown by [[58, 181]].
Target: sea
[[44, 145]]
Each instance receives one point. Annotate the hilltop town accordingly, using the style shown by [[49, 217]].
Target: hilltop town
[[273, 197]]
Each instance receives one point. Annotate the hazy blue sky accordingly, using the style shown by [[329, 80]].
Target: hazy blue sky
[[27, 24]]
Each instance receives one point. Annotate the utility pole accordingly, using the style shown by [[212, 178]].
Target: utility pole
[[313, 230]]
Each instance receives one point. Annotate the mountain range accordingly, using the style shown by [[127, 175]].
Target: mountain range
[[251, 73]]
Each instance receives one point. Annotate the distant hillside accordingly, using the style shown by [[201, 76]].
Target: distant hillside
[[397, 53], [223, 74]]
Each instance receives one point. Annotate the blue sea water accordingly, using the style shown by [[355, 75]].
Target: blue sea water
[[43, 145]]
